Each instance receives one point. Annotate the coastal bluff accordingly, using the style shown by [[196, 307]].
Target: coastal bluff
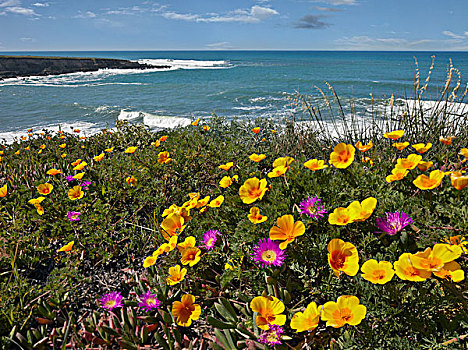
[[24, 66]]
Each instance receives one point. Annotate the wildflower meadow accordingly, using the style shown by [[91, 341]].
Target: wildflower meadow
[[241, 235]]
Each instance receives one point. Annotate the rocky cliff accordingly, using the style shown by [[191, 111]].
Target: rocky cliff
[[23, 66]]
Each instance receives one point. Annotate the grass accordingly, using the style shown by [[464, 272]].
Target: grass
[[50, 299]]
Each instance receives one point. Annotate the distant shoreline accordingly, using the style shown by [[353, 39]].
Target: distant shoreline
[[26, 66]]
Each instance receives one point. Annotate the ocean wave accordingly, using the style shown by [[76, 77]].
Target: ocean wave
[[185, 64], [128, 115], [163, 122], [251, 108]]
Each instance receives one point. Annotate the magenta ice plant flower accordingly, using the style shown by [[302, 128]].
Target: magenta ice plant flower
[[312, 208], [394, 222], [111, 301], [70, 178], [85, 185], [210, 237], [149, 301], [272, 336], [73, 215], [268, 253]]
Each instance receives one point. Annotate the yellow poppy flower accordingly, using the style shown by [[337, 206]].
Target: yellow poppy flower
[[63, 155], [75, 193], [367, 159], [253, 189], [464, 152], [254, 157], [4, 190], [458, 181], [216, 203], [39, 209], [394, 135], [457, 240], [163, 138], [109, 150], [363, 148], [286, 230], [80, 166], [362, 211], [78, 176], [226, 166], [405, 270], [315, 164], [35, 201], [130, 150], [451, 271], [341, 216], [256, 130], [76, 162], [255, 217], [17, 152], [398, 173], [45, 189], [63, 145], [99, 157], [377, 272], [283, 161], [195, 122], [206, 127], [190, 256], [176, 275], [27, 148], [186, 311], [150, 261], [424, 182], [54, 172], [446, 140], [131, 180], [269, 311], [172, 225], [343, 257], [67, 247], [423, 166], [342, 155], [307, 320], [410, 162], [278, 171], [189, 242], [42, 146], [203, 202], [422, 148], [225, 182], [433, 259], [346, 310]]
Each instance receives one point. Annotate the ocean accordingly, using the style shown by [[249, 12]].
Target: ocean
[[231, 84]]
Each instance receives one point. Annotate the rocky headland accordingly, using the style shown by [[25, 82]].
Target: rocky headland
[[24, 66]]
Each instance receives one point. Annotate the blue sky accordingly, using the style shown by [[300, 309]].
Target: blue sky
[[233, 25]]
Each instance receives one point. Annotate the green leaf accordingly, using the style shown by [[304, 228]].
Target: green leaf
[[224, 312], [219, 324]]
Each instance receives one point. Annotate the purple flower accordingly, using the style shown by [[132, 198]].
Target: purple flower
[[149, 301], [111, 301], [312, 208], [394, 223], [85, 184], [210, 237], [70, 178], [73, 215], [272, 336], [268, 253]]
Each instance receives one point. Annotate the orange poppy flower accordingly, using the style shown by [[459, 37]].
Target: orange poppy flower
[[286, 230], [67, 247], [256, 130], [283, 161], [410, 162], [163, 138], [63, 145], [307, 320], [315, 164], [400, 145], [163, 157], [54, 172], [75, 193], [76, 162], [216, 203], [422, 148], [341, 216], [278, 171], [80, 166], [269, 311], [405, 270], [195, 122], [226, 166], [130, 150], [254, 157], [423, 166], [446, 140], [346, 310], [433, 259], [377, 272], [255, 217], [176, 275], [362, 211], [4, 190], [398, 173], [109, 150], [172, 225], [451, 271], [99, 157], [186, 311], [131, 180], [206, 127], [362, 147], [458, 180]]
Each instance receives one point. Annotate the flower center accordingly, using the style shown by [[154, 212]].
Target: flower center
[[110, 303], [379, 274], [151, 301], [210, 242], [346, 314], [338, 259], [269, 256]]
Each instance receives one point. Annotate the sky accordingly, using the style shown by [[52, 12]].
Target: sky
[[99, 25]]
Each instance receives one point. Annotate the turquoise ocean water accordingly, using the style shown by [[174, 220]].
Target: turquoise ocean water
[[244, 84]]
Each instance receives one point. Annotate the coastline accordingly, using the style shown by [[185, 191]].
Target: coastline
[[26, 66]]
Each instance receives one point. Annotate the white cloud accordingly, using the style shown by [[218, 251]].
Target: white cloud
[[87, 14], [41, 4], [9, 3], [20, 11], [223, 45], [30, 40], [253, 15], [453, 35]]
